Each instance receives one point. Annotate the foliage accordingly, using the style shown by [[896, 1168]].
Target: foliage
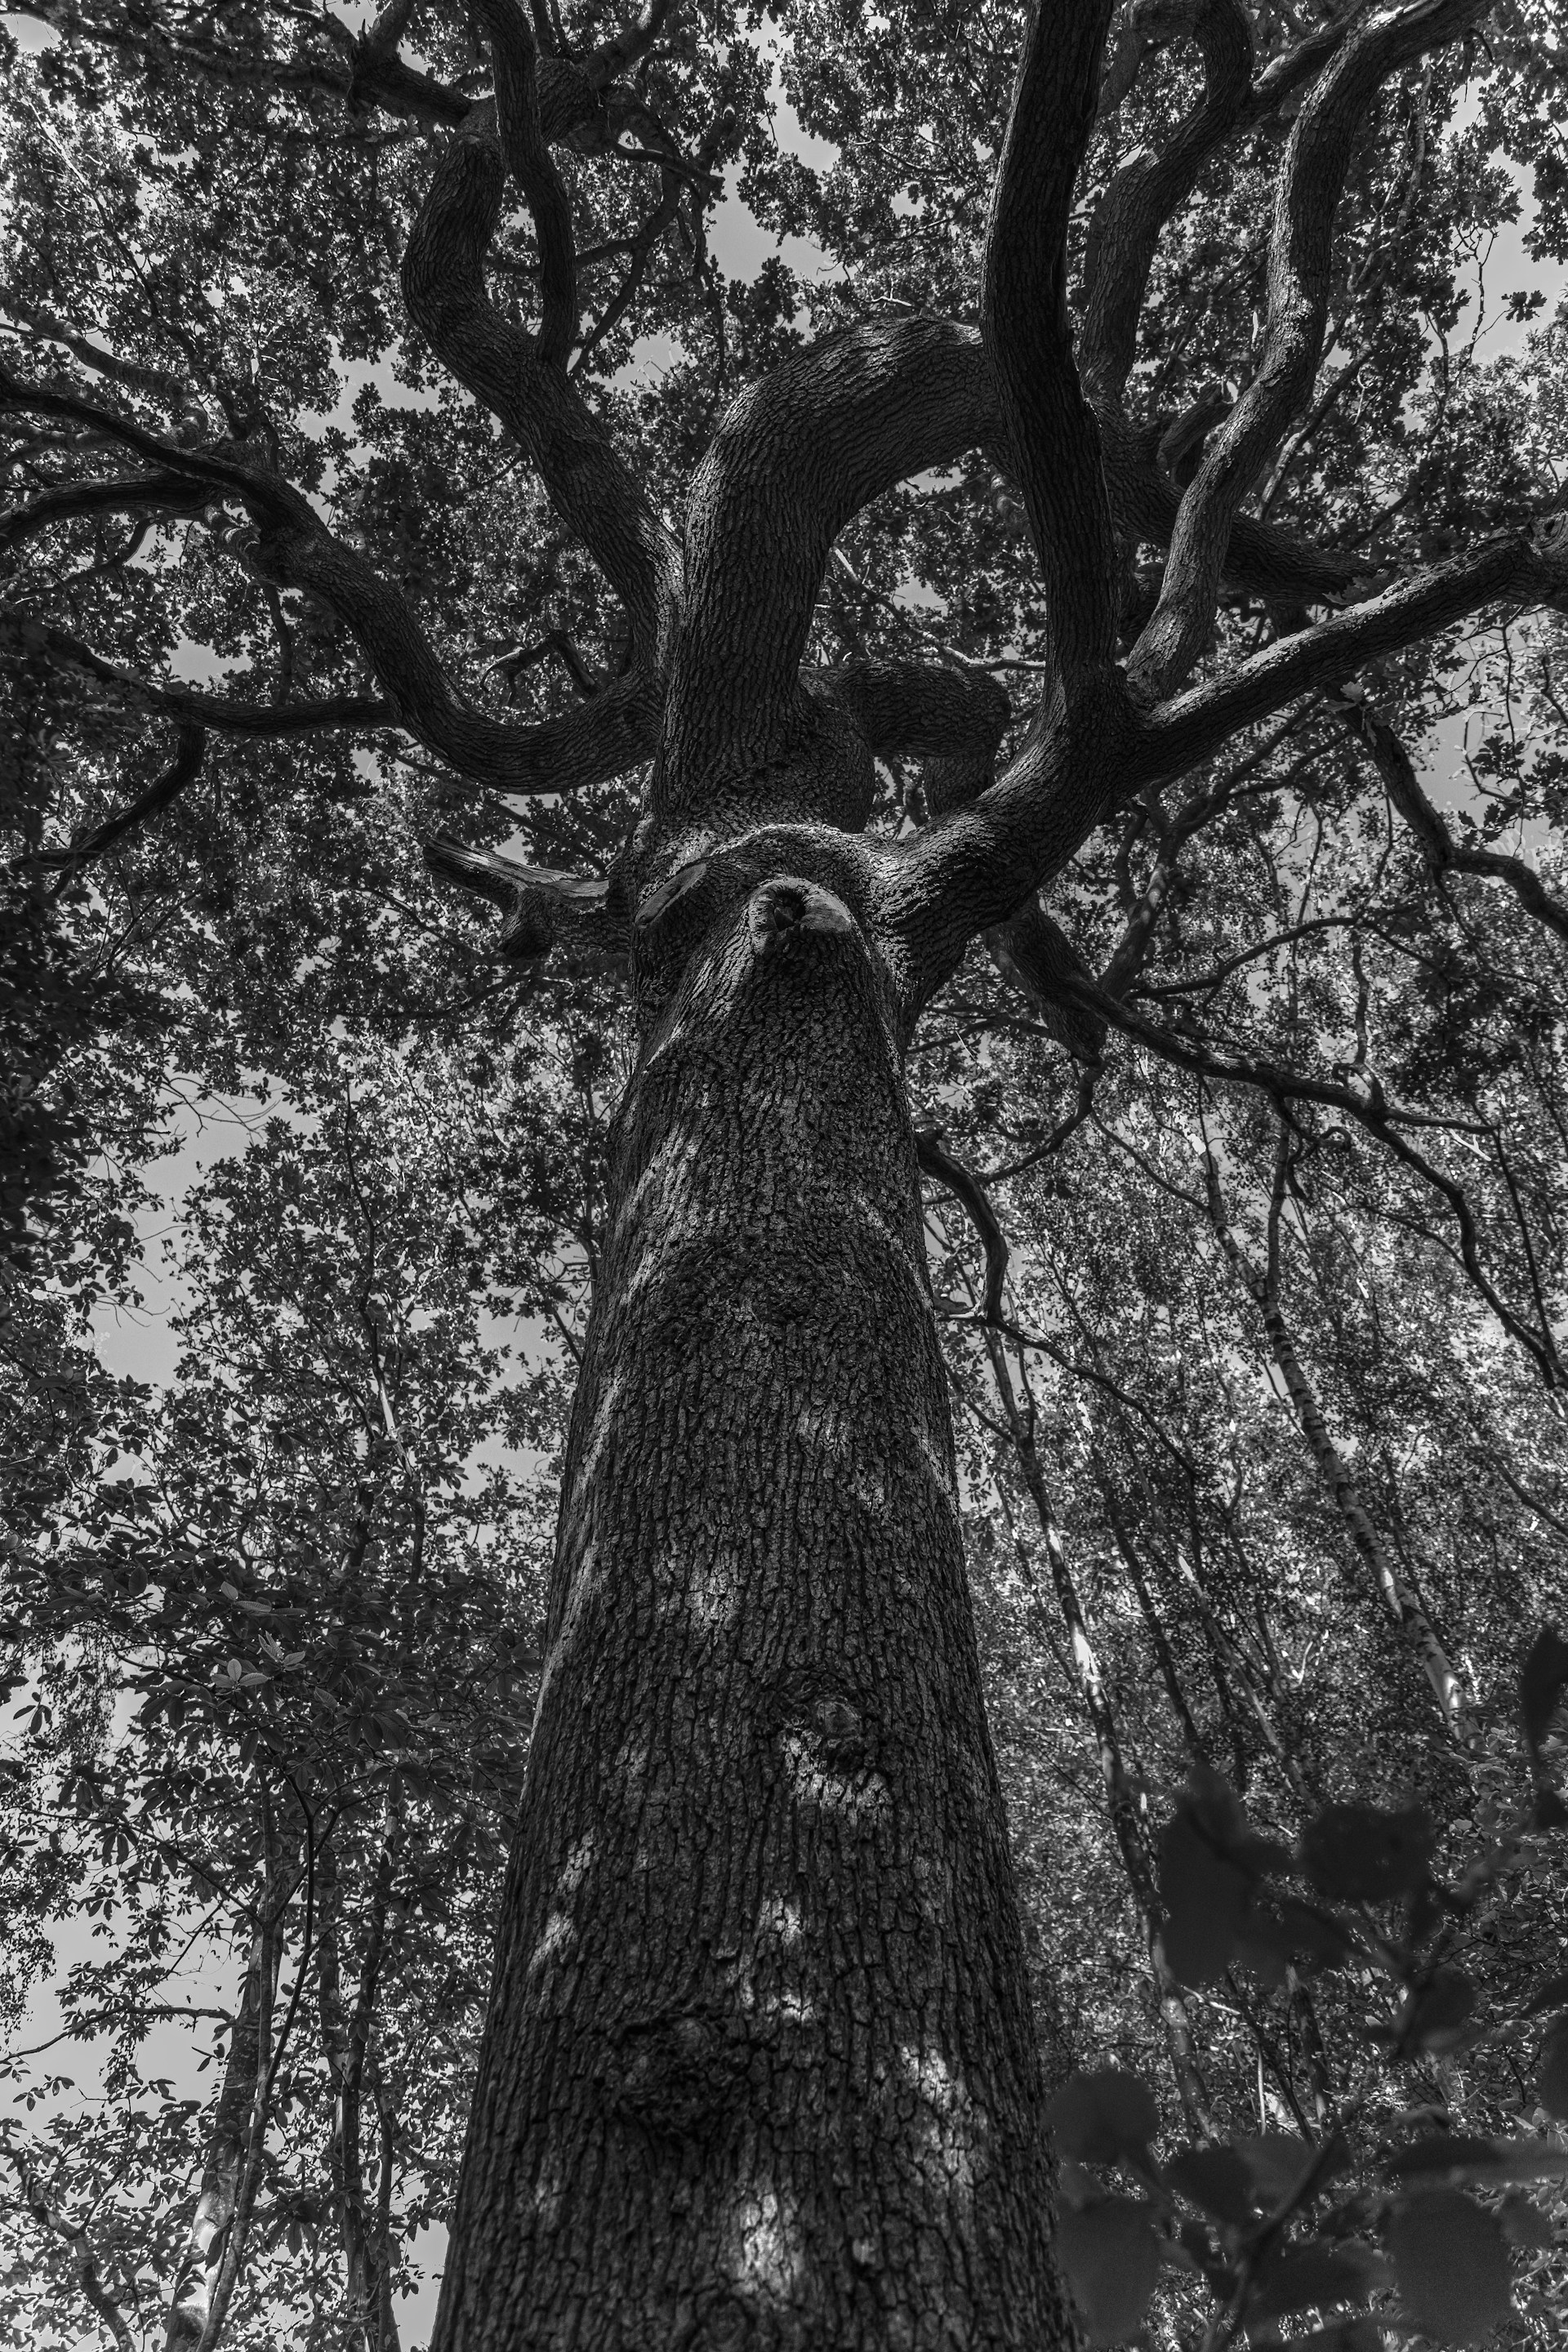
[[274, 1620], [1272, 2226]]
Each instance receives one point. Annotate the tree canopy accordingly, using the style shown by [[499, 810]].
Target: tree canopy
[[1108, 462]]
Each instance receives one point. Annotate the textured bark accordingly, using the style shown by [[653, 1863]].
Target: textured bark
[[760, 2068]]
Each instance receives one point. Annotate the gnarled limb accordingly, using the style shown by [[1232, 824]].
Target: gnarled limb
[[596, 495], [1146, 192], [188, 705], [1050, 431], [919, 707], [540, 905], [973, 869], [531, 165], [1261, 558], [793, 459], [168, 494], [1529, 563], [1032, 951], [1299, 260], [155, 383], [186, 767], [291, 547]]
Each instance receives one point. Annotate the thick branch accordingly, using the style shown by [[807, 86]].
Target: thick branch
[[1261, 558], [1529, 563], [156, 384], [918, 708], [1035, 953], [793, 459], [1024, 318], [149, 494], [292, 548], [1148, 190], [540, 905], [956, 878], [531, 165], [1300, 264], [595, 494]]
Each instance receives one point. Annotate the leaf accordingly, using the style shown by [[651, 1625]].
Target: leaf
[[1463, 2158], [1450, 2260], [1437, 2015], [1554, 1994], [1551, 2071], [1111, 2258], [1524, 2222], [1205, 1899], [1215, 2180], [1105, 2117], [1357, 2335], [1318, 2274], [1541, 1680], [1278, 2163], [1357, 1853]]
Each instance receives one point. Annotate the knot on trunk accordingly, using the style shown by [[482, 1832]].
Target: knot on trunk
[[783, 910], [676, 2075]]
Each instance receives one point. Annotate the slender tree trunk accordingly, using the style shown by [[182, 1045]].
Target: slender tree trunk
[[345, 2037], [1405, 1604], [1120, 1795], [210, 2263], [760, 2069]]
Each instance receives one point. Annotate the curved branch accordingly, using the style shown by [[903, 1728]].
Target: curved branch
[[936, 1161], [292, 548], [794, 458], [1442, 852], [1260, 559], [1032, 951], [1529, 563], [187, 704], [190, 747], [1300, 263], [1024, 317], [918, 708], [153, 493], [594, 491], [1148, 190], [531, 165]]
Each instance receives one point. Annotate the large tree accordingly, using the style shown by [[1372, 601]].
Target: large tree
[[761, 2065]]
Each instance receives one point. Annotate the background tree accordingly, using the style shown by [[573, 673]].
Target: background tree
[[1311, 1016]]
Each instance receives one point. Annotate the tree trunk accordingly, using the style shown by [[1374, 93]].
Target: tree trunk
[[371, 2322], [760, 2067], [210, 2263]]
